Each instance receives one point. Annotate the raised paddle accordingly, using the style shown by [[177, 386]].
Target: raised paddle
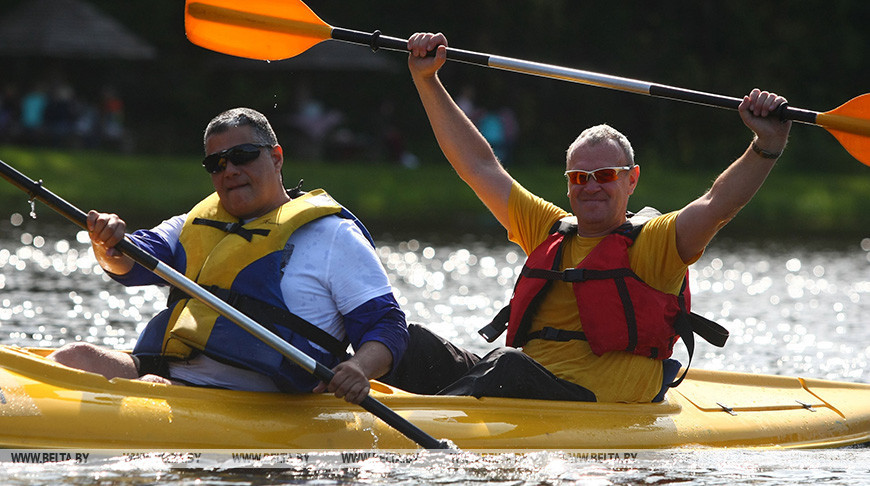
[[36, 191], [279, 29]]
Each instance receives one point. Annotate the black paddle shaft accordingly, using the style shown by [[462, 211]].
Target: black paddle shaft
[[386, 414], [36, 191], [376, 41]]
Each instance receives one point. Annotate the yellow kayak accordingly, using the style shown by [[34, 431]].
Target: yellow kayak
[[47, 406]]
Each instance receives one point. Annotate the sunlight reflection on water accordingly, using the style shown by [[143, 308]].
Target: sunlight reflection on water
[[709, 467], [795, 310], [792, 309]]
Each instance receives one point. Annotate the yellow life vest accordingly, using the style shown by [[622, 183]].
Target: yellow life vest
[[218, 247]]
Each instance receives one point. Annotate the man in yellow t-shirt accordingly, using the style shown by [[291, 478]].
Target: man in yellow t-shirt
[[654, 258], [602, 174]]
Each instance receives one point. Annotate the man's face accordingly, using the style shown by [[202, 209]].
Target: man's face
[[254, 188], [600, 206]]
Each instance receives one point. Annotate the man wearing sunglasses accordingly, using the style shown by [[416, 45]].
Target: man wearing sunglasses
[[558, 321], [298, 263]]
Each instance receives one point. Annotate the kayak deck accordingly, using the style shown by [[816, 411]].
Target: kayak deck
[[45, 405]]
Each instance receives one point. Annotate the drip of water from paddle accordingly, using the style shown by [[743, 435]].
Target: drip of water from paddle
[[33, 208]]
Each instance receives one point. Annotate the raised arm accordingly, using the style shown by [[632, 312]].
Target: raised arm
[[699, 221], [463, 145]]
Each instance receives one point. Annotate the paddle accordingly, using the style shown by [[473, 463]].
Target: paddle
[[36, 191], [280, 29]]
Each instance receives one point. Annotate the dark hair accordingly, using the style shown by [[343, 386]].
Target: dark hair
[[240, 117]]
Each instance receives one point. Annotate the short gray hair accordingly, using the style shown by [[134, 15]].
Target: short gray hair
[[602, 133], [240, 117]]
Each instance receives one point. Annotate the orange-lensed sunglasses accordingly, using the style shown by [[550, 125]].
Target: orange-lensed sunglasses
[[602, 175]]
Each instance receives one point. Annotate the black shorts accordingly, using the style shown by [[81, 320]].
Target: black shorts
[[510, 373], [432, 365]]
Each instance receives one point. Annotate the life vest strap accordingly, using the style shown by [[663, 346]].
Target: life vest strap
[[234, 228], [687, 325], [553, 334], [497, 326], [712, 332], [271, 317], [576, 274]]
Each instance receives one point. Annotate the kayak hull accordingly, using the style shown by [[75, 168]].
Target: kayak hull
[[47, 406]]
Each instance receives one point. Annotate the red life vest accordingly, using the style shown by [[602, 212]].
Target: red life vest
[[618, 310]]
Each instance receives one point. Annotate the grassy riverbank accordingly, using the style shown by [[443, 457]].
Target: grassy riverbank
[[430, 199]]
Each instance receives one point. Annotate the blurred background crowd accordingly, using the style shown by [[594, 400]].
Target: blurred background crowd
[[123, 76]]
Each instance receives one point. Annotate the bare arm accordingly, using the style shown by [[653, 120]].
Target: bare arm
[[463, 145], [351, 381], [699, 221]]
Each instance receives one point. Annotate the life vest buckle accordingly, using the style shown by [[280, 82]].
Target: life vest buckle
[[550, 334], [574, 275]]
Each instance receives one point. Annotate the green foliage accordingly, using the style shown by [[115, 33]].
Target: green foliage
[[813, 51], [144, 188], [428, 200]]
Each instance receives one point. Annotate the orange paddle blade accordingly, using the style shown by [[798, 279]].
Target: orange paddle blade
[[255, 29], [850, 124]]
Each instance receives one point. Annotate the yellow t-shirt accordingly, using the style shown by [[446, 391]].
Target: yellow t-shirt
[[615, 376]]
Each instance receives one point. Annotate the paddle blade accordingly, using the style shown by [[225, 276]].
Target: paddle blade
[[850, 124], [267, 30]]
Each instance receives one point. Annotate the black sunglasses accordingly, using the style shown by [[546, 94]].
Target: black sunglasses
[[238, 155]]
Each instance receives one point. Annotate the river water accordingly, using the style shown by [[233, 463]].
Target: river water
[[793, 308]]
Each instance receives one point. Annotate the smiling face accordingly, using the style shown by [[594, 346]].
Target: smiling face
[[600, 207], [254, 188]]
